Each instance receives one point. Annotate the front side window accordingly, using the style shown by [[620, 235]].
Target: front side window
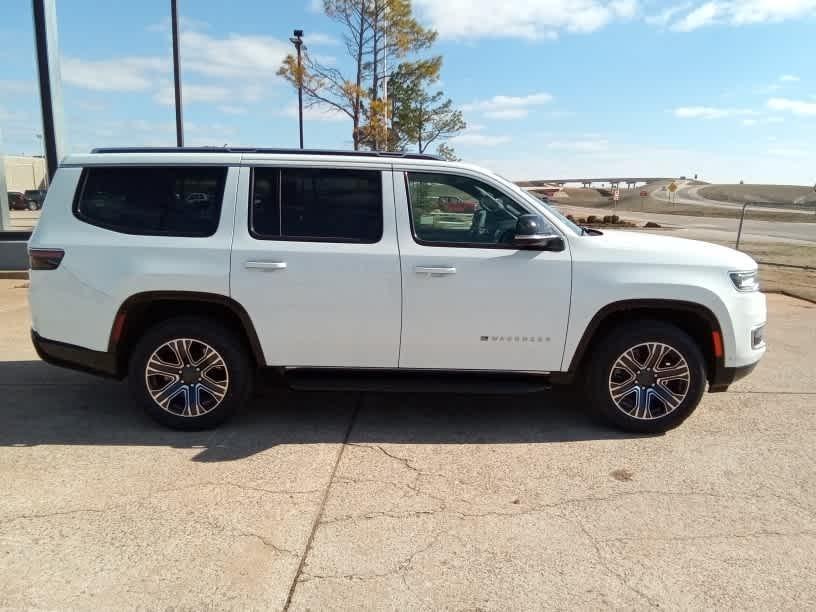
[[316, 204], [159, 200], [459, 210]]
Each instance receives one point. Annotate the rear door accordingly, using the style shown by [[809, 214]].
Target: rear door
[[315, 263]]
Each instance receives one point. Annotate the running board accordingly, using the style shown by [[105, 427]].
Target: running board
[[484, 383]]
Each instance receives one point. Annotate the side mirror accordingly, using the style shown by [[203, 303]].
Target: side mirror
[[533, 231]]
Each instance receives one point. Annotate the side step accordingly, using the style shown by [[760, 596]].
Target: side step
[[485, 383]]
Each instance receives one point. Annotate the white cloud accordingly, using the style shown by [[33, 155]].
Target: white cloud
[[791, 152], [701, 16], [507, 113], [11, 116], [236, 56], [709, 112], [530, 19], [17, 87], [478, 139], [192, 93], [749, 122], [507, 107], [789, 78], [662, 18], [316, 113], [743, 12], [797, 107], [319, 38], [118, 74], [474, 135], [232, 110]]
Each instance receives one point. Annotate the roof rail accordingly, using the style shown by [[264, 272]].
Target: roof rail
[[398, 154]]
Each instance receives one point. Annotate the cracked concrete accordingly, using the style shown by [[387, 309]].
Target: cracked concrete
[[435, 501]]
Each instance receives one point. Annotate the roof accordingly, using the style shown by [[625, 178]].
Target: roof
[[387, 154]]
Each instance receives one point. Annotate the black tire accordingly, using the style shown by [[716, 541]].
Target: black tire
[[237, 371], [601, 376]]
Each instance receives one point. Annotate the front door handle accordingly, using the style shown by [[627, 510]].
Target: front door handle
[[434, 271], [265, 265]]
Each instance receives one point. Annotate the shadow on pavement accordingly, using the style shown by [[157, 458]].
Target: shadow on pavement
[[43, 405]]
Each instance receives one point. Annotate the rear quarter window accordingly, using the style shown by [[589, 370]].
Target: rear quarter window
[[161, 201]]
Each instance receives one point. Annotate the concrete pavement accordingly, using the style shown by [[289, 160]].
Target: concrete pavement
[[343, 501]]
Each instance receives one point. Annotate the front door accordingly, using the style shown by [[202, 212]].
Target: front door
[[315, 264], [471, 300]]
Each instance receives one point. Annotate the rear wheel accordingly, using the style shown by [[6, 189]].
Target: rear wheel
[[646, 377], [190, 373]]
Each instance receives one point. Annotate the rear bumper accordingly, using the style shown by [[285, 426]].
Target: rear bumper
[[75, 357], [723, 377]]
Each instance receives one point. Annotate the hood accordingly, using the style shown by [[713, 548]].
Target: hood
[[656, 248]]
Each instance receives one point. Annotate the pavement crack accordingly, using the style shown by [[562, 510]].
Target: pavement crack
[[321, 508], [621, 577], [403, 460]]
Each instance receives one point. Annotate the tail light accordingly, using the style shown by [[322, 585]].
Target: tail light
[[45, 259]]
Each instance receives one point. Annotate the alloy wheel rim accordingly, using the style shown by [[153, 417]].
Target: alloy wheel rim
[[186, 377], [649, 381]]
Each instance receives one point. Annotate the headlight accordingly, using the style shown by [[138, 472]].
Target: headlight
[[745, 281]]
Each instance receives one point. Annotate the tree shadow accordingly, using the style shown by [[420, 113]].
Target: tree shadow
[[44, 405]]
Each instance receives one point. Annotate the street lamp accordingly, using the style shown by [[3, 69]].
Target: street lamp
[[297, 40], [42, 147]]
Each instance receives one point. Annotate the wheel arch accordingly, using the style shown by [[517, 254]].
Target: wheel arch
[[698, 321], [142, 310]]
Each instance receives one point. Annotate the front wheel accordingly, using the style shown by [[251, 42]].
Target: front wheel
[[646, 377], [190, 373]]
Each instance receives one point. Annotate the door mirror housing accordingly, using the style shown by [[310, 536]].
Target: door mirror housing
[[533, 231]]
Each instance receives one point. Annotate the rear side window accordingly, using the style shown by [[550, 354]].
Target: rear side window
[[315, 204], [161, 200]]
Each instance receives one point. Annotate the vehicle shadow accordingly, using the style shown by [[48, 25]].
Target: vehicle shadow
[[44, 405]]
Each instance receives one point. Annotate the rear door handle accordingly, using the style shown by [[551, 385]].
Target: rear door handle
[[265, 265], [434, 271]]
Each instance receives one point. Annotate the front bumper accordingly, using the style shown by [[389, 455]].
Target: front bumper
[[75, 357]]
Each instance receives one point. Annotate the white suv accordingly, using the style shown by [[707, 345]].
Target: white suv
[[347, 270]]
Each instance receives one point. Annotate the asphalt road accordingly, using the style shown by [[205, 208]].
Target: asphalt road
[[690, 194], [409, 502], [711, 228]]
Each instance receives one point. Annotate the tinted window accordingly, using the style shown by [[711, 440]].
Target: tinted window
[[459, 210], [172, 200], [317, 204]]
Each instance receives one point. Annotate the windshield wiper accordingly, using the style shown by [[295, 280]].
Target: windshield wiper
[[589, 231]]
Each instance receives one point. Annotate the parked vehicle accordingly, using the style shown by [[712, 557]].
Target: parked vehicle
[[16, 200], [34, 198], [322, 266], [455, 204]]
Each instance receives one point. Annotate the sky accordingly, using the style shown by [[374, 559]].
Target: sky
[[725, 89]]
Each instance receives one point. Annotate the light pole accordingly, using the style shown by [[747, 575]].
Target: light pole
[[297, 40], [42, 142], [177, 73]]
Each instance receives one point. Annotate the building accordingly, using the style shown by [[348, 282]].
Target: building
[[23, 172]]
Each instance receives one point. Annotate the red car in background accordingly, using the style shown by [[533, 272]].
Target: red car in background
[[455, 204]]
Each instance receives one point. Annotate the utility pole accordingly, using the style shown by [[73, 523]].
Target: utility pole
[[177, 72], [297, 40], [45, 38], [5, 221]]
